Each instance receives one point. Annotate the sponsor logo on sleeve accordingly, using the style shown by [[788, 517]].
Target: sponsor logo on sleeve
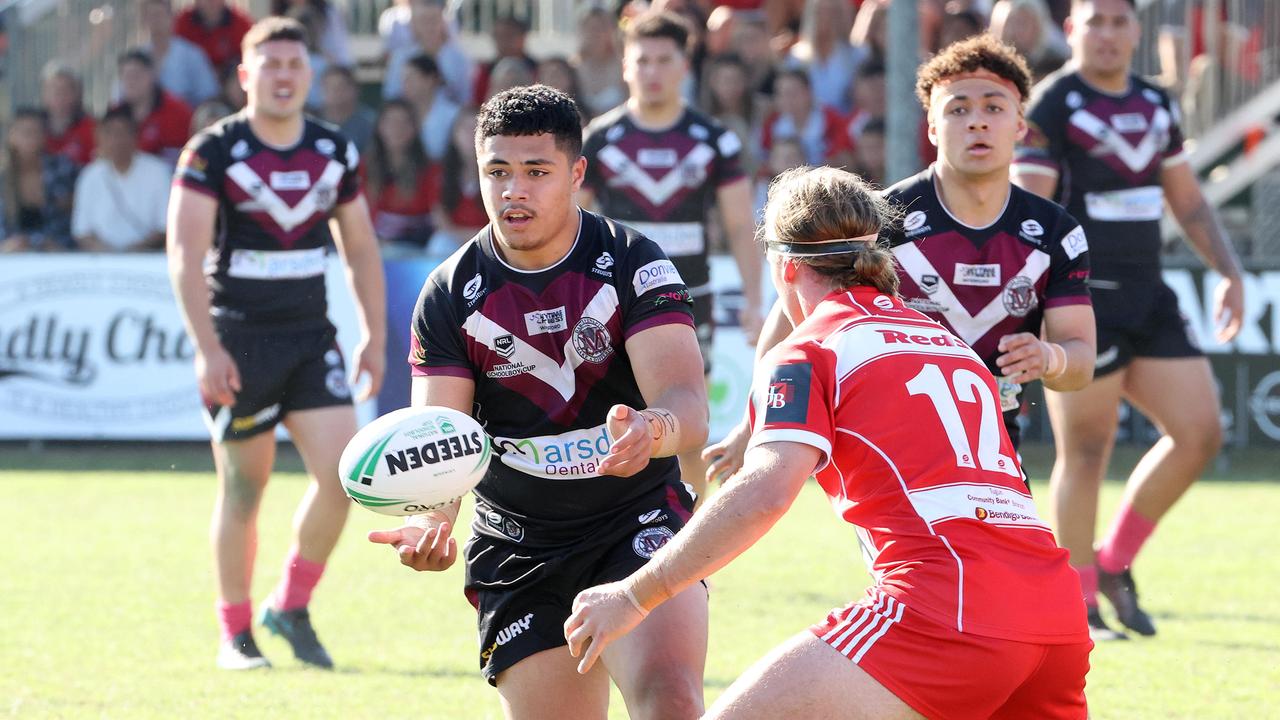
[[1075, 243], [541, 322], [986, 275], [192, 165], [729, 143], [787, 394], [654, 275]]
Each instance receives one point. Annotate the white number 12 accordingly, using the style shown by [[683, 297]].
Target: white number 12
[[969, 388]]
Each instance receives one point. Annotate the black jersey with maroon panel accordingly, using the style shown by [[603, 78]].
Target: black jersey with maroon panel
[[268, 259], [546, 351], [1107, 152], [663, 182]]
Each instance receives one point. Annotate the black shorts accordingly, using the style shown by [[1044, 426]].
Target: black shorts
[[523, 595], [704, 324], [1138, 319], [280, 371]]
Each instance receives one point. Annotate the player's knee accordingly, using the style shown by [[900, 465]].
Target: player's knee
[[1089, 453], [1203, 437], [667, 693], [241, 495]]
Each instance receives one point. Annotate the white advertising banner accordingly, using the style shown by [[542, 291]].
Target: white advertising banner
[[93, 346]]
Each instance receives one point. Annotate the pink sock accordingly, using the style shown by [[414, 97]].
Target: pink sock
[[1129, 531], [1088, 583], [234, 618], [300, 578]]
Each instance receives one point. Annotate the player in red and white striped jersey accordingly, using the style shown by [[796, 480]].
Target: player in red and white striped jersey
[[900, 421]]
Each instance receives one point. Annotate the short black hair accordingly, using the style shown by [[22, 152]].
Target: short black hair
[[533, 110], [342, 71], [425, 64], [270, 29], [659, 24], [138, 55], [120, 112]]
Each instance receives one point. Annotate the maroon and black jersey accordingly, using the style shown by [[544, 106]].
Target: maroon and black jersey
[[984, 283], [268, 262], [663, 182], [546, 351], [1107, 152]]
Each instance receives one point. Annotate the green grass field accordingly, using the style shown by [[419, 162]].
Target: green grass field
[[106, 601]]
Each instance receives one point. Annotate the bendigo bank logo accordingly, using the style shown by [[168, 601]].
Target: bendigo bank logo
[[981, 513]]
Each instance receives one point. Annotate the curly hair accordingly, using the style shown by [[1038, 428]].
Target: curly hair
[[981, 52], [533, 110]]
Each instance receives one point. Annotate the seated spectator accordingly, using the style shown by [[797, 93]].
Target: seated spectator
[[164, 121], [401, 182], [1027, 26], [599, 62], [122, 197], [752, 43], [433, 37], [460, 214], [727, 96], [69, 131], [824, 50], [328, 28], [507, 73], [341, 105], [785, 154], [958, 25], [869, 155], [182, 68], [868, 98], [36, 188], [425, 92], [509, 34], [208, 113], [556, 72], [820, 130], [216, 28]]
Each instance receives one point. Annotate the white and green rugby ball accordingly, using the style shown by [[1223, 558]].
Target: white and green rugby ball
[[415, 459]]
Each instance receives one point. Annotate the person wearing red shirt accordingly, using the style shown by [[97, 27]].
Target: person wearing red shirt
[[820, 129], [401, 181], [973, 611], [164, 121], [70, 129], [216, 28]]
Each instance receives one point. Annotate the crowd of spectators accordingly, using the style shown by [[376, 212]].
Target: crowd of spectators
[[800, 81]]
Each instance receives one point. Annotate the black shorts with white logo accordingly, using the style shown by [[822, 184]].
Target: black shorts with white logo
[[1138, 318], [523, 595], [281, 371]]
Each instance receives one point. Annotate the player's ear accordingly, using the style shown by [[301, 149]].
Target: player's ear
[[242, 74], [790, 268], [1022, 125], [578, 171], [932, 129]]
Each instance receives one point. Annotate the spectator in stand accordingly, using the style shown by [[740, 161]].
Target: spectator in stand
[[341, 105], [751, 42], [825, 51], [394, 28], [313, 22], [509, 35], [599, 62], [182, 67], [122, 197], [232, 92], [958, 25], [424, 90], [433, 37], [820, 129], [208, 113], [869, 153], [460, 214], [507, 73], [871, 29], [330, 38], [164, 121], [727, 96], [69, 131], [400, 182], [216, 28], [868, 98], [785, 154], [36, 188], [1027, 26], [557, 72]]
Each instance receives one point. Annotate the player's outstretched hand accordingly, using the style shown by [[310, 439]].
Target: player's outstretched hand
[[218, 376], [601, 615], [421, 549], [372, 362], [1024, 358], [724, 458], [632, 442], [1228, 309]]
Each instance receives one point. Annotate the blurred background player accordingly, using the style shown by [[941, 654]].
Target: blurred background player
[[967, 577], [658, 164], [570, 337], [1108, 144], [256, 190]]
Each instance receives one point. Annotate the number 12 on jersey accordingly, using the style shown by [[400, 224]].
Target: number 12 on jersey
[[968, 387]]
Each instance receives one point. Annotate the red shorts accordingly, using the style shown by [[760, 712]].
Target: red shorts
[[942, 673]]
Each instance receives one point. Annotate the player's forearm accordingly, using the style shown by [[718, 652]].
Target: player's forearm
[[678, 421], [192, 293], [369, 286], [730, 523], [1079, 357], [746, 254], [435, 518], [1206, 235]]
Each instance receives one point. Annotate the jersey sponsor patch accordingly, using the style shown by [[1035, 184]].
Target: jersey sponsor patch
[[675, 239], [574, 455], [984, 275], [276, 264], [1075, 243], [540, 322], [986, 503], [657, 157], [1132, 205], [787, 396], [655, 275], [289, 180]]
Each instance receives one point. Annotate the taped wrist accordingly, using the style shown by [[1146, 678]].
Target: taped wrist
[[664, 429]]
